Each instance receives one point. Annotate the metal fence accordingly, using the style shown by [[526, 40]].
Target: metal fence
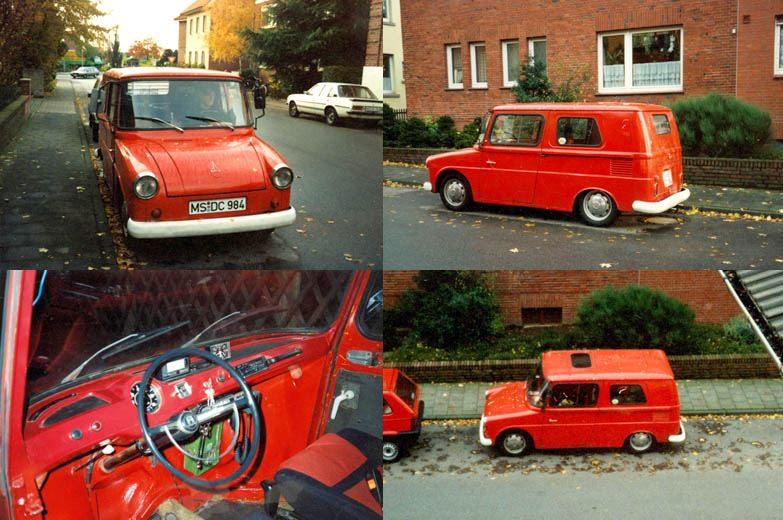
[[400, 114]]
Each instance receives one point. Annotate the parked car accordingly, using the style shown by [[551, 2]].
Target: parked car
[[181, 157], [586, 398], [335, 101], [85, 72], [403, 410], [593, 159], [146, 394]]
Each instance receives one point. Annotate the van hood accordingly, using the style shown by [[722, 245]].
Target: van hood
[[206, 164], [506, 399]]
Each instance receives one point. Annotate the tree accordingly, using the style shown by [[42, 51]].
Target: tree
[[534, 84], [116, 55], [227, 18], [146, 48], [308, 34], [164, 59]]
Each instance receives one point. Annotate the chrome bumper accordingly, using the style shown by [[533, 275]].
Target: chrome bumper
[[666, 204], [211, 226]]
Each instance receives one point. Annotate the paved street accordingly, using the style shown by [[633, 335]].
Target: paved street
[[729, 467]]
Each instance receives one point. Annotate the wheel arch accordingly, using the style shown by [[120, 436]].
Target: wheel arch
[[444, 173]]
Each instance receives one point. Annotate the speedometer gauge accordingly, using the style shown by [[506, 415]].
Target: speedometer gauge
[[221, 350], [151, 400]]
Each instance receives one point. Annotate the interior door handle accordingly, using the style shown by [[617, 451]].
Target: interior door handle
[[344, 396]]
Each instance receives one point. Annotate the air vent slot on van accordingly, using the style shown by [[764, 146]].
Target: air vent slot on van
[[581, 360], [621, 166]]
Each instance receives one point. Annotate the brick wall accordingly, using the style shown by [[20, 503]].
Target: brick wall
[[571, 30], [704, 291], [756, 82], [373, 54], [736, 173], [732, 366]]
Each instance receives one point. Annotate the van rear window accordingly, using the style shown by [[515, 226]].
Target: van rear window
[[661, 123], [578, 131], [626, 394]]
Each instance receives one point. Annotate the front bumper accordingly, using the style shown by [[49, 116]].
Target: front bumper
[[484, 441], [678, 438], [211, 226], [666, 204]]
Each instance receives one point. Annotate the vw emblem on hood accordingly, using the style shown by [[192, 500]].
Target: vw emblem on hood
[[187, 422], [214, 170]]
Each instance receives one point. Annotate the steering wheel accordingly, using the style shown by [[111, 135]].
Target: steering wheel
[[187, 423]]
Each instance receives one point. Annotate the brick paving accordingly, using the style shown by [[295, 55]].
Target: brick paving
[[697, 397], [51, 213]]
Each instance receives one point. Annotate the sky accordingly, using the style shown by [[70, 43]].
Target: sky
[[140, 19]]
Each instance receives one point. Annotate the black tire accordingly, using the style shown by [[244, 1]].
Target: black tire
[[640, 442], [514, 443], [331, 116], [455, 192], [391, 450], [597, 208], [293, 111]]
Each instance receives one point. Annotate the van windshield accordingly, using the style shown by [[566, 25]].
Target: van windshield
[[535, 387]]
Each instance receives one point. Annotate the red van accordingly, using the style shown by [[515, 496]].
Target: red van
[[593, 159], [402, 413], [586, 398]]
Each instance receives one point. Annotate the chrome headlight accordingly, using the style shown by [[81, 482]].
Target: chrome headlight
[[282, 176], [145, 185]]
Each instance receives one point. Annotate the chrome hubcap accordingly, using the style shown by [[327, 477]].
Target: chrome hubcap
[[454, 192], [514, 443], [390, 451], [598, 205], [641, 441]]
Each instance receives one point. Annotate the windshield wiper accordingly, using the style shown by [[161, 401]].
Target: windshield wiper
[[211, 120], [158, 120], [230, 318], [123, 344]]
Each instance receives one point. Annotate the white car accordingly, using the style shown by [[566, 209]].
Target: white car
[[85, 72], [335, 101]]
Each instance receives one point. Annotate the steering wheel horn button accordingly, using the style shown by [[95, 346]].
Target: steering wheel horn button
[[187, 422]]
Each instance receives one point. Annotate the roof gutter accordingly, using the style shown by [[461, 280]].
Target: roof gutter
[[753, 324]]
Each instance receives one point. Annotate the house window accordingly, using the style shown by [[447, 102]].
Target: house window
[[478, 65], [454, 65], [779, 45], [191, 26], [190, 56], [386, 15], [640, 61], [204, 24], [542, 316], [204, 61], [197, 21], [510, 62], [536, 49], [388, 78]]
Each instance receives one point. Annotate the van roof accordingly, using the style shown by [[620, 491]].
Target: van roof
[[606, 365], [594, 107], [165, 72]]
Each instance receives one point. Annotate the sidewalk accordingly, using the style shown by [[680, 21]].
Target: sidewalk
[[704, 198], [697, 397], [51, 213]]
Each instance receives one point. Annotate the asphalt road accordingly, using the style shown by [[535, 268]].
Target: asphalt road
[[419, 233], [728, 468], [335, 193]]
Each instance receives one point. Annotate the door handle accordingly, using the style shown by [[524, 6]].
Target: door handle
[[344, 396], [552, 420], [491, 162]]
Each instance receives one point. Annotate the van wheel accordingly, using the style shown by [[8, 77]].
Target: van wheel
[[597, 208], [292, 110], [514, 443], [391, 451], [640, 442], [455, 192], [331, 116]]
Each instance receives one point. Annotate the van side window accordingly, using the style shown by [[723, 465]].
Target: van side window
[[568, 395], [661, 123], [516, 129], [114, 101], [387, 410], [578, 131], [626, 394]]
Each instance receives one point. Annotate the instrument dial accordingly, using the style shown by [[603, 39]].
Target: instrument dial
[[151, 400]]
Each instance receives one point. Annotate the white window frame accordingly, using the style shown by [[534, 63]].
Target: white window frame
[[474, 83], [777, 67], [628, 54], [450, 67], [508, 82], [390, 68], [387, 16], [531, 47]]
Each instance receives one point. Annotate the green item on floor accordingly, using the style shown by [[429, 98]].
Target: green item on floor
[[204, 447]]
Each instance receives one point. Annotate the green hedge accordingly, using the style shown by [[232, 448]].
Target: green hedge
[[8, 94], [426, 133]]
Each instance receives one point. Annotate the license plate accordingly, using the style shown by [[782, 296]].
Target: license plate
[[201, 207], [667, 178]]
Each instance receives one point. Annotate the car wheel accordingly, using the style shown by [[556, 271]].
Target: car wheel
[[331, 116], [513, 443], [597, 208], [455, 192], [640, 442], [391, 451], [293, 111]]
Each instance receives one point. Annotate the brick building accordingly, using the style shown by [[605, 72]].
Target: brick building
[[551, 297], [635, 50]]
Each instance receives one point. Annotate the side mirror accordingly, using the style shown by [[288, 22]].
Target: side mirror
[[259, 98]]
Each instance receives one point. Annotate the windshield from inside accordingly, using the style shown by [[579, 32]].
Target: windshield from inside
[[86, 323], [160, 104], [355, 91], [536, 385]]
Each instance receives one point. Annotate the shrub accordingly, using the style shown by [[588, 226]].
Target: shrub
[[446, 132], [391, 127], [738, 329], [8, 94], [469, 134], [635, 317], [447, 310], [722, 126]]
